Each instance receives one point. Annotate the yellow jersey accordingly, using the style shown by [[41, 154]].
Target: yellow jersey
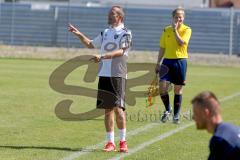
[[168, 41]]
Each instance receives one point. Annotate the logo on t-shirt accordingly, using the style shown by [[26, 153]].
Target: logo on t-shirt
[[110, 46], [115, 36]]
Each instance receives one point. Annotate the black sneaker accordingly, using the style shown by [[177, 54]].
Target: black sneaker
[[165, 116], [176, 119]]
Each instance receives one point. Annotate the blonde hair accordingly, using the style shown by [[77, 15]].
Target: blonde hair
[[177, 10]]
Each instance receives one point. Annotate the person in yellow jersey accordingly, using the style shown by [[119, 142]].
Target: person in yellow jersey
[[172, 63]]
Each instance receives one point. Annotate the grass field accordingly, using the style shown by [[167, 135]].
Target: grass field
[[30, 129]]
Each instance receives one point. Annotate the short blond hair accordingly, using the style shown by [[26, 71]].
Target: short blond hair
[[177, 10]]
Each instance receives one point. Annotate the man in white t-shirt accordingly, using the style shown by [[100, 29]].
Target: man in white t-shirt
[[114, 43]]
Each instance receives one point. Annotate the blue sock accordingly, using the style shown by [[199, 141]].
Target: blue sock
[[177, 103], [165, 100]]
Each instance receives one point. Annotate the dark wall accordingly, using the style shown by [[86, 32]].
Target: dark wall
[[23, 25]]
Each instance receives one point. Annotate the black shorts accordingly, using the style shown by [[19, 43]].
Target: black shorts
[[111, 92]]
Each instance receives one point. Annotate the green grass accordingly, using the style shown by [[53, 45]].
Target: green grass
[[29, 128]]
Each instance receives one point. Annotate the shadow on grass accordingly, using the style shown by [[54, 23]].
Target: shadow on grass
[[51, 148]]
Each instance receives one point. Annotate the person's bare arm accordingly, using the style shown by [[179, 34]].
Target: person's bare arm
[[160, 56], [109, 55], [179, 40], [84, 39]]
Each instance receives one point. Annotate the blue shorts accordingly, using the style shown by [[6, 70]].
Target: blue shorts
[[174, 71]]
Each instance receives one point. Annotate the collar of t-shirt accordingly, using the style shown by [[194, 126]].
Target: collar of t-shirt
[[121, 26], [215, 130]]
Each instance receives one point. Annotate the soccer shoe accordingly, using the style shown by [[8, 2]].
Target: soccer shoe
[[176, 119], [109, 147], [123, 146], [165, 116]]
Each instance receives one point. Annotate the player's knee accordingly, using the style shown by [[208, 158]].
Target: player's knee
[[178, 90], [163, 89], [120, 114], [108, 112]]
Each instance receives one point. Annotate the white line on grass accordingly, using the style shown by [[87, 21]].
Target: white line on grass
[[230, 97], [167, 134], [160, 137], [89, 149]]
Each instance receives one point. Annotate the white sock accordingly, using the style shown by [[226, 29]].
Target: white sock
[[122, 133], [110, 137]]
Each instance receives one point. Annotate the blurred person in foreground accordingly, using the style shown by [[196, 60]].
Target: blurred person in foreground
[[225, 142], [173, 58], [114, 43]]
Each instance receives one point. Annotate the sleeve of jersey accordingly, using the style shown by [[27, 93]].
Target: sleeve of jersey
[[162, 40], [97, 41], [217, 147], [126, 41], [187, 35]]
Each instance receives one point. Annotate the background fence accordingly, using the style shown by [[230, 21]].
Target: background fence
[[214, 30]]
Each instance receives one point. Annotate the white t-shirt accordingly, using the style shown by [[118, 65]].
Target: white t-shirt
[[109, 40]]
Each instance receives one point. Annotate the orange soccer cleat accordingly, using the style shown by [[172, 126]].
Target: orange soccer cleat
[[109, 147], [123, 146]]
